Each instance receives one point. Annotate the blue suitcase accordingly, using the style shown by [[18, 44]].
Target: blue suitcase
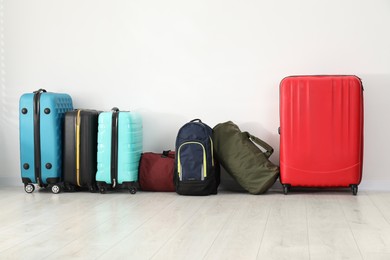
[[41, 116], [119, 150]]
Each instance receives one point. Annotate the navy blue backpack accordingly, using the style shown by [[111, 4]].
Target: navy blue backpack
[[197, 172]]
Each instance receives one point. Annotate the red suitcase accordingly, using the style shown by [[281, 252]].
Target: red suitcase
[[321, 131]]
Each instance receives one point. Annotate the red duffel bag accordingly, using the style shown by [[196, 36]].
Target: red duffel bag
[[156, 171]]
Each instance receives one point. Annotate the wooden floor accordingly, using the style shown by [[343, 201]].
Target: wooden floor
[[302, 225]]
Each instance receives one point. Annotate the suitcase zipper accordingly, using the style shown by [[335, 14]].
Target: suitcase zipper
[[114, 147], [37, 136], [78, 148]]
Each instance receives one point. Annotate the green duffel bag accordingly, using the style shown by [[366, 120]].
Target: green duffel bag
[[243, 160]]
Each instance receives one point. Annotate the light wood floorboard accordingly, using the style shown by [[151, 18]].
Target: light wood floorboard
[[305, 224]]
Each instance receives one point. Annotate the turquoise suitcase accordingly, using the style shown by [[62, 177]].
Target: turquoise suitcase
[[119, 150], [41, 117]]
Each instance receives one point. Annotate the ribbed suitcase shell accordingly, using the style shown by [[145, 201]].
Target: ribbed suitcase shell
[[80, 149], [52, 107], [130, 138], [321, 131]]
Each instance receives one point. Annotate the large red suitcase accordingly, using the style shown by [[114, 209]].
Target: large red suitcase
[[321, 131]]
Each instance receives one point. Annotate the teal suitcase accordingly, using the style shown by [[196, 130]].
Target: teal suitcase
[[41, 119], [120, 137]]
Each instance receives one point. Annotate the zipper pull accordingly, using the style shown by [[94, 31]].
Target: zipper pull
[[114, 183]]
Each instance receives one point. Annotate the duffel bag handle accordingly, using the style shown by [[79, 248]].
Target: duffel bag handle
[[168, 153], [267, 147]]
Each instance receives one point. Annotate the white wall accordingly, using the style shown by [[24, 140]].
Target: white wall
[[176, 60]]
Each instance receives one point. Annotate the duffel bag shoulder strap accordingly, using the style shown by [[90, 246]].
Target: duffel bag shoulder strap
[[258, 141]]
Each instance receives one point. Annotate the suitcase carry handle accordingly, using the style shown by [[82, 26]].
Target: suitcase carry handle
[[115, 109], [39, 91], [267, 147]]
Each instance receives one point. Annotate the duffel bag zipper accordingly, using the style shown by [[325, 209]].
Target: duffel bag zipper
[[212, 151]]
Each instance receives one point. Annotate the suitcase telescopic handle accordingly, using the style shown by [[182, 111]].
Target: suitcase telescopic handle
[[39, 91], [267, 147]]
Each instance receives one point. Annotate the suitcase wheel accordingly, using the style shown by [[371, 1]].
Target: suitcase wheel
[[70, 188], [354, 189], [55, 189], [286, 188], [93, 188], [29, 188], [102, 190], [133, 190]]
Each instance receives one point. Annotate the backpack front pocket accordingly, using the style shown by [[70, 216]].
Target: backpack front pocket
[[192, 163]]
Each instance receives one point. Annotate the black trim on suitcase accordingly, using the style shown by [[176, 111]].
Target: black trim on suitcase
[[37, 136], [77, 124], [114, 146]]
